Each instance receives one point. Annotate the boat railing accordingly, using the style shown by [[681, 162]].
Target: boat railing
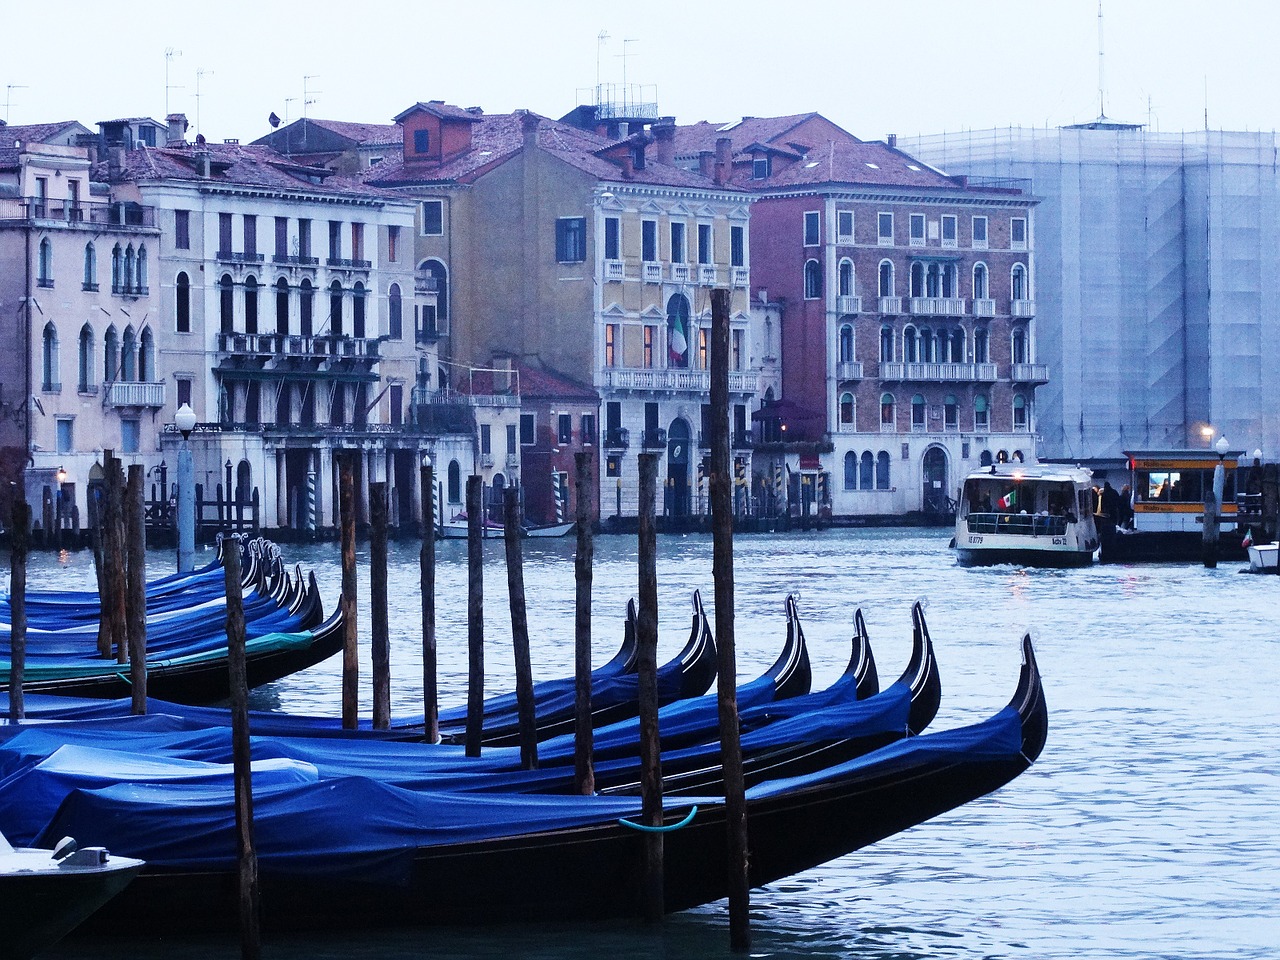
[[1018, 524]]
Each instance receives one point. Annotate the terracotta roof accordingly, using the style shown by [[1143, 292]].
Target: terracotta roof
[[37, 132], [546, 383], [365, 134], [691, 139], [864, 162], [440, 109]]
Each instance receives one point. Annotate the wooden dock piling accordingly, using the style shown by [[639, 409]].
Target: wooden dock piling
[[97, 529], [520, 630], [427, 576], [1209, 542], [584, 776], [380, 633], [475, 615], [136, 577], [350, 648], [114, 608], [20, 527], [647, 676]]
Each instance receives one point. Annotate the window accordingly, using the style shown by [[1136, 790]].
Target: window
[[1019, 412], [949, 231], [1019, 344], [886, 344], [224, 235], [90, 267], [612, 247], [85, 378], [846, 410], [851, 471], [140, 275], [528, 433], [736, 349], [513, 440], [588, 429], [650, 332], [845, 283], [357, 310], [886, 279], [844, 226], [811, 228], [306, 308], [981, 419], [486, 439], [130, 435], [182, 303], [703, 344], [980, 233], [335, 308], [846, 342], [950, 413], [396, 397], [433, 218], [884, 229], [44, 275], [981, 282], [395, 313], [761, 168], [436, 272], [910, 341], [610, 344], [571, 240], [65, 439], [705, 253], [916, 285], [812, 280], [737, 247], [455, 482], [918, 410], [282, 238], [564, 429], [1018, 283], [867, 471], [250, 305], [128, 356], [393, 244], [888, 418], [649, 241], [182, 229], [250, 236], [917, 230], [357, 241], [335, 240], [1017, 233], [146, 357], [679, 253], [110, 355], [980, 340], [282, 306], [882, 470], [184, 390], [49, 379], [678, 331], [421, 141], [304, 239]]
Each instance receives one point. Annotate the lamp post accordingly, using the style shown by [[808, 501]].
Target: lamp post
[[185, 421], [1218, 472]]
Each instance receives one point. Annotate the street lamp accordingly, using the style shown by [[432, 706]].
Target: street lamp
[[185, 421], [1218, 472], [1207, 433]]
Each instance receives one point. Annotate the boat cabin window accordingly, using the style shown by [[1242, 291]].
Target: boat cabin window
[[1180, 486]]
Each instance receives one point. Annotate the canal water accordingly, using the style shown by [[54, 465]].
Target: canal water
[[1149, 828]]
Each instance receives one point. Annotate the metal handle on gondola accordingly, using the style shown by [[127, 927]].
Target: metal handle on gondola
[[645, 828]]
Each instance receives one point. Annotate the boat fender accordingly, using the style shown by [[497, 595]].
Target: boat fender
[[667, 828]]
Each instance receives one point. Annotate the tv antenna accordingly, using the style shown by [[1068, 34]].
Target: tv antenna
[[307, 98], [8, 97], [200, 74], [1102, 72], [601, 39], [169, 54], [624, 61]]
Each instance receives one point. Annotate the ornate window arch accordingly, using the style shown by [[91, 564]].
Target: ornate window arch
[[812, 280]]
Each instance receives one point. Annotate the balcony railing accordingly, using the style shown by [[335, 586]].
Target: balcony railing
[[936, 306], [513, 461], [889, 304], [938, 372], [292, 261], [432, 332], [848, 304], [680, 381], [742, 440], [849, 370], [348, 264], [619, 438], [68, 211], [425, 395], [706, 275], [1022, 308], [133, 394], [1030, 373], [614, 270], [426, 285], [232, 256], [652, 272], [680, 272], [486, 459], [984, 308], [129, 290], [288, 345], [741, 276], [654, 439]]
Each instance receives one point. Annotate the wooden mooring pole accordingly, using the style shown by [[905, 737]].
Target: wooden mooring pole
[[115, 561], [584, 774], [427, 575], [520, 630], [350, 648], [97, 530], [647, 677], [380, 632], [475, 615], [136, 574], [20, 527], [727, 670], [250, 911], [1209, 543]]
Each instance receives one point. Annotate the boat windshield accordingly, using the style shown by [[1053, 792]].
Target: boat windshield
[[1019, 507]]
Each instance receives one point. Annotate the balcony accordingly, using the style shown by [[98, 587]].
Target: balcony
[[486, 460], [984, 308], [742, 440], [129, 290], [1024, 309], [292, 261], [422, 396], [939, 372], [423, 285], [681, 272], [230, 256], [430, 333], [655, 439], [513, 461], [309, 348], [889, 304], [936, 306], [741, 276], [1030, 373], [652, 272], [619, 438], [613, 271], [849, 370], [348, 264], [706, 275], [676, 381], [848, 304], [127, 394], [67, 211]]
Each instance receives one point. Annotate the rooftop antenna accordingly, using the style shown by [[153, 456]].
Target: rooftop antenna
[[1206, 103], [169, 54], [624, 71], [307, 100], [200, 73], [1102, 71], [8, 97], [601, 39], [287, 101]]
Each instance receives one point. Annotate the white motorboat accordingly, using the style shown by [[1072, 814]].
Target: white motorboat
[[1262, 557]]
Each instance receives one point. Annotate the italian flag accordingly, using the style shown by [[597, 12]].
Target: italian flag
[[678, 342], [1008, 500]]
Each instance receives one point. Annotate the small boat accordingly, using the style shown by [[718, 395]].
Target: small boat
[[550, 530], [1037, 515], [1262, 557], [456, 529], [48, 893]]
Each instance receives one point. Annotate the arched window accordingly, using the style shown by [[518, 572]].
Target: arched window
[[90, 267], [182, 303], [918, 412], [888, 416], [846, 287], [678, 331], [1017, 457], [129, 356], [886, 278], [981, 283], [981, 418], [932, 281], [335, 308], [250, 305], [49, 366], [957, 345], [926, 345], [882, 470], [117, 269], [437, 276], [282, 306], [980, 341], [1019, 412], [226, 304], [110, 355], [146, 357], [951, 413], [909, 352], [867, 471], [985, 459], [357, 310], [846, 342], [851, 471], [1020, 345], [395, 316], [130, 266], [950, 281], [1018, 283], [812, 280], [306, 307], [917, 279], [846, 410], [140, 285], [85, 370], [455, 482], [44, 266], [886, 344]]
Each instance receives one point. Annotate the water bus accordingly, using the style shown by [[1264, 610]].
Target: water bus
[[1032, 514]]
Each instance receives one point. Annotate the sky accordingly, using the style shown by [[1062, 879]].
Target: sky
[[924, 66]]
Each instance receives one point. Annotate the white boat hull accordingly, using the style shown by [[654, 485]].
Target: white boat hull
[[1262, 558]]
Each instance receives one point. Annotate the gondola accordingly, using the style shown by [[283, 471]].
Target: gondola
[[418, 857]]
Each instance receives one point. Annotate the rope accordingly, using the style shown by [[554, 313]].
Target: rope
[[644, 828]]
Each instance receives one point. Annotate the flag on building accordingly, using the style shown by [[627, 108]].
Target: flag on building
[[1008, 500]]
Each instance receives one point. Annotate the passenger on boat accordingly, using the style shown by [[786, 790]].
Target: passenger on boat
[[1110, 503]]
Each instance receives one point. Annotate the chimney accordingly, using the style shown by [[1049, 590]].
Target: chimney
[[177, 128], [115, 163], [705, 163], [724, 160], [664, 135], [202, 162], [628, 165], [893, 140], [528, 129]]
